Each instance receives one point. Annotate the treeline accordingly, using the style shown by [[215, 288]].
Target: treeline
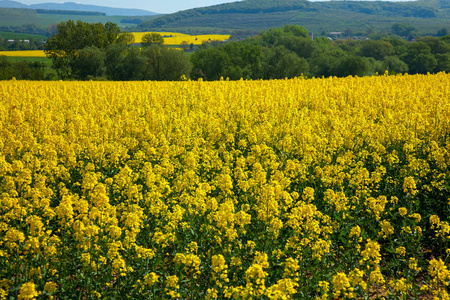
[[21, 70], [19, 44], [289, 52], [28, 29], [100, 51]]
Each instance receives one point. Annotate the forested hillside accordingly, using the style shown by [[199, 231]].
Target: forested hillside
[[427, 15]]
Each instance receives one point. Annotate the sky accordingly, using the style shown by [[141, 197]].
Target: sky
[[160, 6]]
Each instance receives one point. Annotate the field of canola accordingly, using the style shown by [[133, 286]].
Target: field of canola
[[175, 38], [333, 188]]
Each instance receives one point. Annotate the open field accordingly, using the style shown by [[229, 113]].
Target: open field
[[282, 189], [175, 38]]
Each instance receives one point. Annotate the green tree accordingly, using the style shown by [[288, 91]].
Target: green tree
[[245, 60], [419, 58], [376, 49], [403, 29], [88, 62], [393, 64], [123, 63], [442, 32], [400, 45], [352, 65], [443, 62], [271, 36], [324, 61], [126, 38], [72, 37], [302, 46], [279, 63], [6, 70], [152, 39], [163, 63], [209, 63]]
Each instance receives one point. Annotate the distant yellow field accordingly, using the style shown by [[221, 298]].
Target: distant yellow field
[[24, 53], [174, 38], [170, 38]]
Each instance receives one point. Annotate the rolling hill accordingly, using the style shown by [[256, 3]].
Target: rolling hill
[[428, 16], [72, 6]]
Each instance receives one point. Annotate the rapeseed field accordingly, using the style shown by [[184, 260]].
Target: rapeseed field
[[333, 188]]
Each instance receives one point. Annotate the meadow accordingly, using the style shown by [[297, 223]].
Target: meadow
[[332, 188]]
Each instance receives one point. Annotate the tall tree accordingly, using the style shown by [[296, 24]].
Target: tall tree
[[65, 46], [152, 39]]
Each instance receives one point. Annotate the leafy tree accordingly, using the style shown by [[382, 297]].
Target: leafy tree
[[89, 61], [443, 62], [419, 58], [21, 70], [72, 37], [352, 65], [281, 63], [442, 32], [324, 61], [123, 63], [245, 60], [209, 63], [376, 49], [152, 39], [302, 46], [163, 63], [184, 45], [350, 47], [6, 70], [403, 29], [272, 36], [400, 45], [436, 45], [126, 38], [393, 64]]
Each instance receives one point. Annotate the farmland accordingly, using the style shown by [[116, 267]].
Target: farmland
[[278, 189], [175, 38]]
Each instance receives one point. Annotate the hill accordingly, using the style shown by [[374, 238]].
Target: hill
[[428, 16], [72, 6]]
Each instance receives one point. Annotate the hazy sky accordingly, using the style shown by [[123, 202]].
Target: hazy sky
[[160, 6]]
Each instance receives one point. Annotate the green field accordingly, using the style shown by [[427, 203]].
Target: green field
[[20, 17], [21, 36]]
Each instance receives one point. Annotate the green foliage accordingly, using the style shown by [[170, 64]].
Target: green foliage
[[152, 39], [376, 49], [419, 58], [280, 63], [22, 70], [402, 29], [393, 64], [164, 63], [289, 52], [89, 61], [64, 47], [352, 65]]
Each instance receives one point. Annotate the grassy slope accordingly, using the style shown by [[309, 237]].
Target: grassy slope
[[19, 16]]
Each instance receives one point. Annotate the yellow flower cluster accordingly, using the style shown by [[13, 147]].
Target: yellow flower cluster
[[283, 189]]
